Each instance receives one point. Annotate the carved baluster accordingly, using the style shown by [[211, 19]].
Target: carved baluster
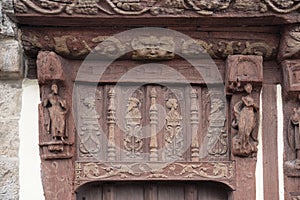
[[194, 125], [153, 124], [111, 150]]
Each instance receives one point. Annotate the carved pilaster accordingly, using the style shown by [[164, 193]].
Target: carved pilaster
[[111, 121], [194, 125], [153, 124]]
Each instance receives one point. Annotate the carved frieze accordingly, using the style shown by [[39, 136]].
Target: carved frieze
[[218, 171], [138, 7], [149, 47]]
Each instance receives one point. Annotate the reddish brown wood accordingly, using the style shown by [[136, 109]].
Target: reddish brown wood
[[269, 142]]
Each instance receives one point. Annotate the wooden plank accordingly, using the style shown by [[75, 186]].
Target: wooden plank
[[269, 142]]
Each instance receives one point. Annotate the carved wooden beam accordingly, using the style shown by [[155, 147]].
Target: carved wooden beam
[[102, 11], [56, 132]]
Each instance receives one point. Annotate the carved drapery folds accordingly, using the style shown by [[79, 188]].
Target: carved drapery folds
[[244, 79]]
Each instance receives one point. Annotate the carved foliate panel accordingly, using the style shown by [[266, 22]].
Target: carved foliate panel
[[138, 7], [150, 123]]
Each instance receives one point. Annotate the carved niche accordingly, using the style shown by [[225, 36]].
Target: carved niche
[[244, 79], [292, 86], [53, 110]]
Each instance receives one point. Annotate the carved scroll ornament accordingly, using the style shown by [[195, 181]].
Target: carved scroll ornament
[[138, 7], [220, 171]]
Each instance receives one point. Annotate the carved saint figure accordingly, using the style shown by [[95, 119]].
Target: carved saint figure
[[244, 143], [294, 137], [57, 113]]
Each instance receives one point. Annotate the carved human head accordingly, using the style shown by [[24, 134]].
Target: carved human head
[[172, 103], [248, 88], [54, 88]]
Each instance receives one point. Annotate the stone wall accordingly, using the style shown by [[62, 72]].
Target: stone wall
[[10, 103]]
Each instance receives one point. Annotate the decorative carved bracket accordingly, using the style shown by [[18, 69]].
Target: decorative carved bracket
[[243, 81]]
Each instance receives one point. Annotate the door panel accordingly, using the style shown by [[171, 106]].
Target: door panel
[[153, 191]]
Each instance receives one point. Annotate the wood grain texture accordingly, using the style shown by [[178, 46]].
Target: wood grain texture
[[269, 142]]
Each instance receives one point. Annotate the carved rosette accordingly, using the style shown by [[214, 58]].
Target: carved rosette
[[243, 81]]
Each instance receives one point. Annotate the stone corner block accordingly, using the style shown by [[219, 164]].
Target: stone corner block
[[10, 60]]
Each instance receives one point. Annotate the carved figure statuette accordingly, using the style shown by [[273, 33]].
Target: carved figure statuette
[[56, 106], [245, 142], [293, 137]]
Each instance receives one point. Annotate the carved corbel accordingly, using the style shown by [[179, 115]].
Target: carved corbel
[[290, 43], [244, 75], [53, 109]]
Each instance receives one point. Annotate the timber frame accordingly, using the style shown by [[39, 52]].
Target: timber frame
[[255, 46]]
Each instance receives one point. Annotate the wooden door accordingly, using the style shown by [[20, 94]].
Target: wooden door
[[153, 191]]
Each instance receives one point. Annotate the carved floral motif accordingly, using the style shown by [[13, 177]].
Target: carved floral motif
[[174, 135], [133, 142]]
